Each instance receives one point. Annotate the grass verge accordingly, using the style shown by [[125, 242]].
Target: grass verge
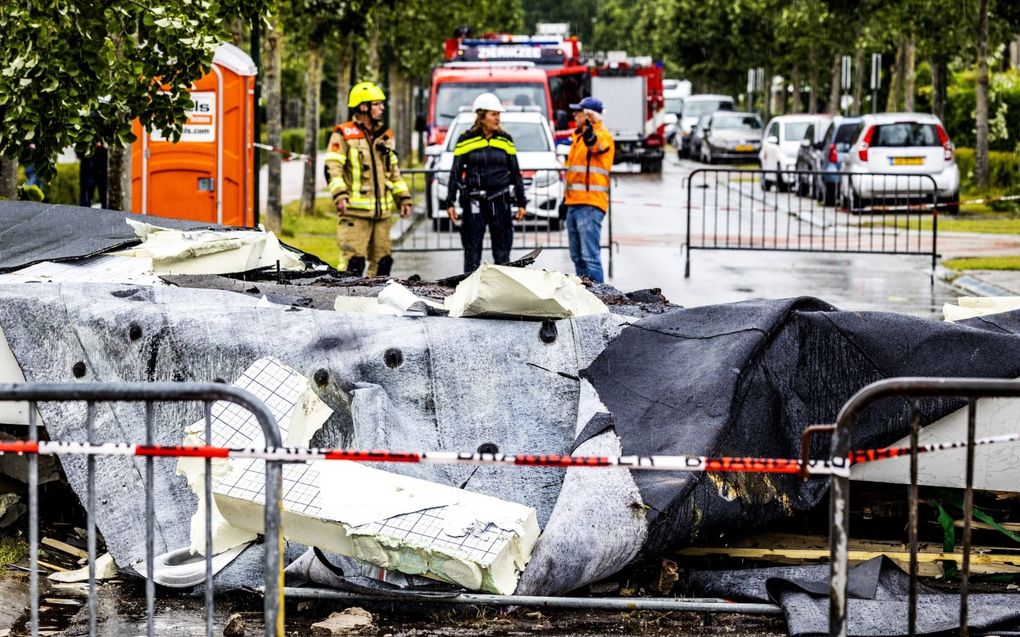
[[315, 233], [983, 263], [982, 224]]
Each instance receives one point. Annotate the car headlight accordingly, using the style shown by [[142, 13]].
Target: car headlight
[[545, 178]]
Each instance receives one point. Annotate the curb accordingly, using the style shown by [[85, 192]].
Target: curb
[[971, 285]]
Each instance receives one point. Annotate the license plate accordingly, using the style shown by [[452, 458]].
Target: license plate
[[743, 147], [907, 161]]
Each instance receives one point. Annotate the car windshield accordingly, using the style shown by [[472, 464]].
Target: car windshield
[[529, 137], [696, 109], [905, 134], [674, 105], [451, 96], [794, 131], [738, 122]]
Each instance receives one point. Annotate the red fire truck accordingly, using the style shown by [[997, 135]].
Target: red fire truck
[[631, 90], [542, 71]]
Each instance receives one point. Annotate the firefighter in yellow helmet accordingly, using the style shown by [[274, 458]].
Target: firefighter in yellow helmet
[[364, 180]]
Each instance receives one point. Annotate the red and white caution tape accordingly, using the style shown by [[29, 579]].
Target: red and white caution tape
[[991, 199], [698, 464], [288, 155]]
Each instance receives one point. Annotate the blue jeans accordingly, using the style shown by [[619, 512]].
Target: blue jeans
[[584, 230]]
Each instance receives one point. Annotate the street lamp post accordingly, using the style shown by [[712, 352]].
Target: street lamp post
[[876, 79], [846, 77]]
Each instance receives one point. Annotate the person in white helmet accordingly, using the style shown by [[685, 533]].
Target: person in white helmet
[[487, 179]]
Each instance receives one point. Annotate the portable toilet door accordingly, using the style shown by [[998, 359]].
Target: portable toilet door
[[209, 174]]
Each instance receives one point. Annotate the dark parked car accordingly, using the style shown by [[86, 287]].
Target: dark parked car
[[808, 158], [828, 155], [696, 132], [729, 136]]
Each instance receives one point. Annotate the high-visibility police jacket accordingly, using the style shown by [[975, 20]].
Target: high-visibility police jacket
[[361, 167], [588, 168], [485, 169]]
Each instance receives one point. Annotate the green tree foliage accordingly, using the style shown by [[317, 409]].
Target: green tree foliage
[[77, 73]]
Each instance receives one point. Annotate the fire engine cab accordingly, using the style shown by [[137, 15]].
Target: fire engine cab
[[527, 72]]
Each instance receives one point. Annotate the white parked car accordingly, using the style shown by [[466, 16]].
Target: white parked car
[[536, 155], [693, 107], [898, 152], [779, 147]]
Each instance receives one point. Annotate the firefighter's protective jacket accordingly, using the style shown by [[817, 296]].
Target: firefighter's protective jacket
[[361, 167], [588, 166]]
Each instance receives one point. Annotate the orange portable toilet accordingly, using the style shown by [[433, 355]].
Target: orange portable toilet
[[209, 174]]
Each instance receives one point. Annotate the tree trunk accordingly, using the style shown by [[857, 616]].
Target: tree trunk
[[766, 93], [374, 54], [938, 88], [796, 105], [117, 197], [8, 178], [892, 103], [909, 74], [273, 48], [813, 82], [313, 93], [834, 84], [981, 150], [403, 127], [343, 80], [858, 89]]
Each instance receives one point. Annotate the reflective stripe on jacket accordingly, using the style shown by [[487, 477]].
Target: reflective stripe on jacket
[[485, 169], [588, 170], [361, 167]]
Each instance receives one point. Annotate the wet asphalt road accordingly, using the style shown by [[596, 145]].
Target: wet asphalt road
[[649, 232]]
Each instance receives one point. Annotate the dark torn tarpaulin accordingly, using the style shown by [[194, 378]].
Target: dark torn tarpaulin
[[741, 379], [877, 605], [34, 232]]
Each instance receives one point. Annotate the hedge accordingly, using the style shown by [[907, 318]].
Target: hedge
[[1003, 170], [1003, 109], [62, 188], [293, 139]]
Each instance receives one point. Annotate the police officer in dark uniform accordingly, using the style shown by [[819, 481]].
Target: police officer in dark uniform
[[487, 178]]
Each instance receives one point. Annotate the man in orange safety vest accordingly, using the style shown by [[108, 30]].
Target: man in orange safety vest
[[587, 198]]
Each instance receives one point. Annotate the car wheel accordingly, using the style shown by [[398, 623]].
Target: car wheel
[[766, 185], [952, 207], [857, 203], [441, 225], [781, 183], [554, 224], [803, 187]]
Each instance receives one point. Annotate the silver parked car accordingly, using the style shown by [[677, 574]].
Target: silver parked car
[[730, 136], [908, 153]]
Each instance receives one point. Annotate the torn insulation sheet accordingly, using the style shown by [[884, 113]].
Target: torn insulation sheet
[[496, 290], [299, 413], [210, 251], [395, 522]]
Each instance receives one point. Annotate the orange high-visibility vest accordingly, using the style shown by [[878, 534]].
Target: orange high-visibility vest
[[588, 170]]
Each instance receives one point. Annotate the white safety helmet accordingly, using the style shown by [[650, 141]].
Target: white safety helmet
[[488, 102]]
